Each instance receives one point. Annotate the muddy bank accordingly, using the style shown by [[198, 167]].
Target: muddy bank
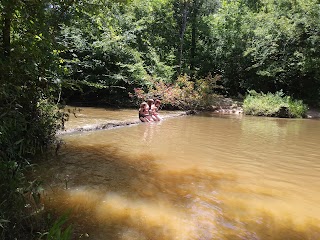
[[313, 113], [231, 106]]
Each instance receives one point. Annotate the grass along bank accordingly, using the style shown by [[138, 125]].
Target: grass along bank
[[273, 105]]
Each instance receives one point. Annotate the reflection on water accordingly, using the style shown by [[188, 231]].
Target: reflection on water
[[194, 177]]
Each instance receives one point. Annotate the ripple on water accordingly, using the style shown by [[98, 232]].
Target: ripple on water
[[192, 178]]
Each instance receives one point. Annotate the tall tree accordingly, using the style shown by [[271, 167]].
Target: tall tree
[[196, 4], [7, 12], [184, 8]]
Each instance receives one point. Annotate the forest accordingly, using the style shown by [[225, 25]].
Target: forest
[[113, 53]]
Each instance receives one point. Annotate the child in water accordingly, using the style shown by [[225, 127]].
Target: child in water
[[155, 110], [144, 114]]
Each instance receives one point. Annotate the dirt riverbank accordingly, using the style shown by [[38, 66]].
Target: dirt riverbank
[[313, 113]]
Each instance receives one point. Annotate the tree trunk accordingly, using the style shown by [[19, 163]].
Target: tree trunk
[[195, 11], [183, 29], [193, 37], [6, 32]]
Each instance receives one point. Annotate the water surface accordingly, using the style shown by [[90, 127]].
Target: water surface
[[192, 177]]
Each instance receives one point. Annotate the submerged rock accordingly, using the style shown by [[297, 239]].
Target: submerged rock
[[113, 124], [191, 112]]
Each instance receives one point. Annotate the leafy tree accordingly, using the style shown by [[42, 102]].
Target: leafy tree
[[115, 48], [226, 40], [280, 48], [29, 73], [266, 46], [190, 17]]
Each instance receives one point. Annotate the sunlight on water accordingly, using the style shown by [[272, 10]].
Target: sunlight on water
[[193, 177]]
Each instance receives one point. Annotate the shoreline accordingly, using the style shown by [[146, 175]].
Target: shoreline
[[311, 114], [111, 125]]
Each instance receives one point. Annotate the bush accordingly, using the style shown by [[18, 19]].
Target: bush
[[273, 105], [58, 230], [28, 123], [184, 94]]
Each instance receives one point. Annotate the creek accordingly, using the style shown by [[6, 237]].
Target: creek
[[205, 176]]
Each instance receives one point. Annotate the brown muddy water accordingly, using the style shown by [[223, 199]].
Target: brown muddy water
[[192, 177]]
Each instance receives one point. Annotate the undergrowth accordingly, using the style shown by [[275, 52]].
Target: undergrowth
[[273, 105]]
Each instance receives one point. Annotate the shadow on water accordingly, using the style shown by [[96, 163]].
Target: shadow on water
[[114, 195]]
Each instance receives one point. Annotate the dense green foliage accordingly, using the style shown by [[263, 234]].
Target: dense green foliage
[[262, 45], [57, 231], [28, 117], [273, 105]]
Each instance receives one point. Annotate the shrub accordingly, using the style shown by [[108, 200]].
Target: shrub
[[58, 230], [273, 105], [184, 94], [28, 123]]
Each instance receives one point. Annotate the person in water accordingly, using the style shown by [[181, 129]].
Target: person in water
[[155, 110], [152, 110], [144, 114]]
